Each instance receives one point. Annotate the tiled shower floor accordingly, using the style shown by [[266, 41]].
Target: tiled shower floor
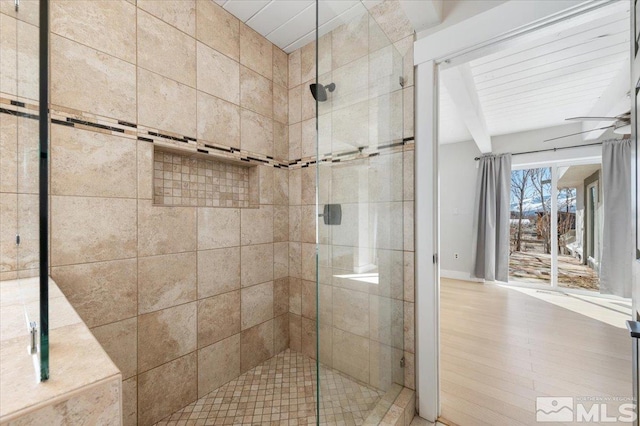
[[281, 391]]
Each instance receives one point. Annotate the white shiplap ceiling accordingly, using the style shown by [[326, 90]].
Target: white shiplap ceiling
[[542, 83], [290, 24]]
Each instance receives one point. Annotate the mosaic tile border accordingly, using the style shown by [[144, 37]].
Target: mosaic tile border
[[82, 120]]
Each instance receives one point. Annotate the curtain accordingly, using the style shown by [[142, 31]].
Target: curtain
[[491, 221], [617, 239]]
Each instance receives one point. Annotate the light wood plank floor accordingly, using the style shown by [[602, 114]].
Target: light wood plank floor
[[502, 347]]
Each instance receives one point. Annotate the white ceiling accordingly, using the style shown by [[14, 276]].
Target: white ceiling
[[290, 24], [547, 80]]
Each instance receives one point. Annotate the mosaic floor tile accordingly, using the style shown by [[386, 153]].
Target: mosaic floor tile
[[281, 391]]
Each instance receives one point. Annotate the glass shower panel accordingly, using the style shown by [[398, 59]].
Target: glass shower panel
[[360, 221], [19, 183]]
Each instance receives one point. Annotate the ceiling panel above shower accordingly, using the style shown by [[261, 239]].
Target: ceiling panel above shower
[[290, 24]]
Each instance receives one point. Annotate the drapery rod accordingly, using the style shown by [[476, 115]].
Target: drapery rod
[[553, 149]]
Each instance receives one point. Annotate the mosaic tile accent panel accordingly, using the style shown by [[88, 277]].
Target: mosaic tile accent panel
[[184, 180], [281, 391]]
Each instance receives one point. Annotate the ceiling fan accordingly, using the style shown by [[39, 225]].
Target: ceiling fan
[[621, 124]]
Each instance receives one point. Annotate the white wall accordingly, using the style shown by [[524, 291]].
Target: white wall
[[457, 196], [458, 174]]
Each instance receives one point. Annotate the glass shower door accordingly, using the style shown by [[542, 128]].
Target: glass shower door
[[359, 181], [22, 224]]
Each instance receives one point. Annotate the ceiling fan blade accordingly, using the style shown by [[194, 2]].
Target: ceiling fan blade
[[592, 119], [579, 133]]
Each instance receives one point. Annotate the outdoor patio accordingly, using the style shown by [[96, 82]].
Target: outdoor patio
[[531, 267]]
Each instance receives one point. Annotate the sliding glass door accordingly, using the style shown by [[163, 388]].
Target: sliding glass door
[[556, 226]]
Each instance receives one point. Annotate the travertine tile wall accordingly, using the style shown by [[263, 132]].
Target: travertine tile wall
[[183, 299], [365, 328]]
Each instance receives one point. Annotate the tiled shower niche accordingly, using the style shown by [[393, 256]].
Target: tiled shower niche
[[187, 179]]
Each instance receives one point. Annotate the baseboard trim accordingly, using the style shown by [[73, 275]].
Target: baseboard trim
[[459, 275]]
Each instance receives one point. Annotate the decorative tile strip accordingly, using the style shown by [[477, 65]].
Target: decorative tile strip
[[64, 116]]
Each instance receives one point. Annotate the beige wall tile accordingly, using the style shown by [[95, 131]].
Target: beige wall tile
[[294, 69], [20, 58], [107, 26], [256, 52], [295, 263], [308, 62], [295, 332], [212, 65], [309, 340], [408, 225], [409, 276], [408, 175], [256, 92], [351, 354], [9, 220], [384, 364], [256, 264], [166, 389], [326, 344], [295, 104], [87, 80], [92, 163], [280, 141], [163, 230], [8, 150], [350, 41], [166, 50], [281, 296], [409, 370], [256, 345], [308, 224], [218, 28], [295, 141], [409, 327], [408, 112], [295, 295], [324, 55], [308, 103], [350, 127], [130, 401], [218, 228], [120, 341], [101, 292], [100, 229], [157, 100], [308, 256], [309, 138], [218, 271], [280, 67], [385, 119], [280, 104], [145, 170], [166, 281], [256, 133], [166, 335], [308, 293], [280, 260], [178, 13], [266, 184], [218, 364], [386, 320], [295, 223], [218, 318], [351, 311], [352, 82], [326, 304], [308, 183], [257, 304], [392, 19], [256, 226], [281, 187], [280, 333], [218, 120]]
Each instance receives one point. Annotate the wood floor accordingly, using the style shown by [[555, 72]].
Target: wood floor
[[503, 347]]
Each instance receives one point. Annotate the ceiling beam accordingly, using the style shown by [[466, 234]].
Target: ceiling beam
[[462, 89], [613, 101], [423, 14]]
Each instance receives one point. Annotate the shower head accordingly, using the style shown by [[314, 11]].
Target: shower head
[[319, 91]]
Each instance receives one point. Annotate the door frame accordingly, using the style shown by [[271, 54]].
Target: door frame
[[507, 24]]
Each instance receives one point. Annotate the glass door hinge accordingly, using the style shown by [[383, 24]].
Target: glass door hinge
[[402, 362], [33, 331], [17, 4]]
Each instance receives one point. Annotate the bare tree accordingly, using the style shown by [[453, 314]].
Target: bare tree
[[520, 189], [541, 181]]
